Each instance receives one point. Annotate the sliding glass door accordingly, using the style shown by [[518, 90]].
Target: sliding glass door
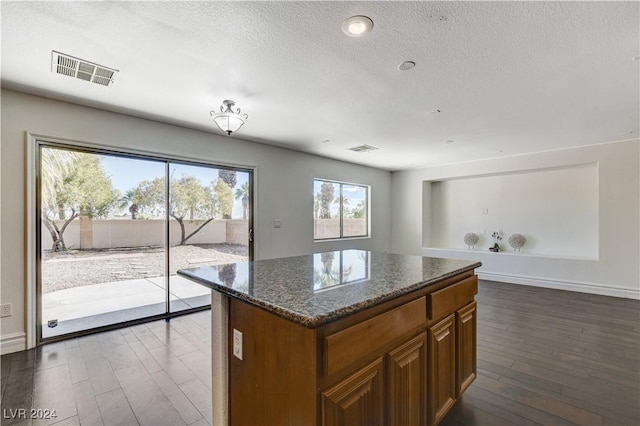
[[114, 229], [208, 225]]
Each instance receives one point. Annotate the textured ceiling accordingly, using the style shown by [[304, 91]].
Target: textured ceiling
[[508, 77]]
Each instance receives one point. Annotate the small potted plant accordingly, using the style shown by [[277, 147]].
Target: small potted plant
[[496, 238]]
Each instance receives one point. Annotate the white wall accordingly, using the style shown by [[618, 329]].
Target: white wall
[[556, 209], [615, 271], [283, 182]]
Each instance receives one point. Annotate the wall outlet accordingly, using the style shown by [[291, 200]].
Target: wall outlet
[[237, 344], [6, 310], [277, 223], [484, 210]]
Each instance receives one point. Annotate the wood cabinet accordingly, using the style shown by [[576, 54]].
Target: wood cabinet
[[401, 374], [466, 319], [356, 400], [442, 368], [360, 398], [401, 362], [407, 383]]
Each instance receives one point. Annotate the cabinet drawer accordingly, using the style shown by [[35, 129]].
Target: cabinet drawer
[[355, 343], [450, 299]]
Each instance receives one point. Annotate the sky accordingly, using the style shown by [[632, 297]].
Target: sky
[[127, 173]]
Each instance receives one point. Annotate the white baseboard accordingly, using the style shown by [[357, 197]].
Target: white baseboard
[[13, 343], [560, 285]]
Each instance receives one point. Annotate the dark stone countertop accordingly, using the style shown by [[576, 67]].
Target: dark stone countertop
[[318, 288]]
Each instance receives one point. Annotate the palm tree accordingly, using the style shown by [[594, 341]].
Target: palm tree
[[228, 176], [227, 274], [130, 199], [358, 211], [317, 205], [345, 204], [55, 166], [243, 193], [325, 276], [326, 198]]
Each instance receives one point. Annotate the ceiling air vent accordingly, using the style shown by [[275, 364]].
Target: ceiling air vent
[[79, 68], [363, 148]]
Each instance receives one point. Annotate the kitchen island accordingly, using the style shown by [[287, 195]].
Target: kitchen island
[[336, 338]]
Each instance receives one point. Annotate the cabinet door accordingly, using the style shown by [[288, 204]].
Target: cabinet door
[[357, 400], [442, 368], [466, 348], [407, 383]]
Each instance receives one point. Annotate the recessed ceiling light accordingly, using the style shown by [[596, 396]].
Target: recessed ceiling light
[[363, 148], [357, 26], [406, 65]]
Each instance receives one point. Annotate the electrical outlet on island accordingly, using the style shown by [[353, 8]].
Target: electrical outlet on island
[[237, 344]]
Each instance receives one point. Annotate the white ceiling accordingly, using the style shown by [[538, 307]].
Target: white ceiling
[[508, 77]]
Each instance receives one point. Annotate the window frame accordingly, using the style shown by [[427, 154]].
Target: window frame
[[367, 206]]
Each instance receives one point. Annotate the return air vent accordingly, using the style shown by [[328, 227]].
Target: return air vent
[[81, 69], [363, 148]]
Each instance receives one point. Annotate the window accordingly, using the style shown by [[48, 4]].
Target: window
[[336, 268], [341, 210]]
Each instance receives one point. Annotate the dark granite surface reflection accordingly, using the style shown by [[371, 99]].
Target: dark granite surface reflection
[[315, 289]]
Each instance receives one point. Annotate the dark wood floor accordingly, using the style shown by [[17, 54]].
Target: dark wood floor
[[544, 357], [157, 373], [554, 358]]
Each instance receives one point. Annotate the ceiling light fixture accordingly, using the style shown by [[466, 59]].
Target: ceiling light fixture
[[357, 26], [229, 120]]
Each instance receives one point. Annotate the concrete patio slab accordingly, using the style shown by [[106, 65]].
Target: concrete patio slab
[[93, 305]]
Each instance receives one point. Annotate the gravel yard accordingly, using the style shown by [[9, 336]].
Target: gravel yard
[[75, 268]]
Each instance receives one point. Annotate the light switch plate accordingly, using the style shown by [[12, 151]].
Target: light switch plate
[[237, 344]]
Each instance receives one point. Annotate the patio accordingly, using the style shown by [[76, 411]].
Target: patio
[[79, 308], [88, 289]]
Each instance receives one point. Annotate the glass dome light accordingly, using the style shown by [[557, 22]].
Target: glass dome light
[[228, 120]]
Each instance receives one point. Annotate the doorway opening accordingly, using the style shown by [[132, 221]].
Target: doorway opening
[[115, 227]]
